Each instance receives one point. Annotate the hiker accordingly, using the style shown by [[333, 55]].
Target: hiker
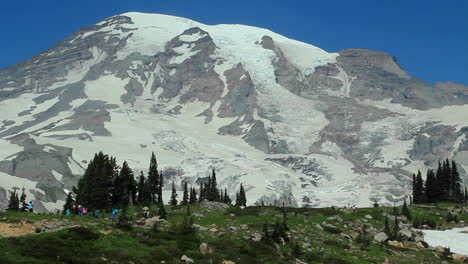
[[67, 212], [80, 210], [30, 207], [114, 214], [97, 213], [145, 212], [85, 210], [20, 207], [25, 207]]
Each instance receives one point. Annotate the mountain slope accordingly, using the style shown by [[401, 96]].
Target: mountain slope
[[297, 125]]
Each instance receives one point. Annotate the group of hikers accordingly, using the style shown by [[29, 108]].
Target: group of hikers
[[83, 211], [26, 207]]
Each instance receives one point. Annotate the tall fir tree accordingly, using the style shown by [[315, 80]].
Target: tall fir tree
[[69, 203], [185, 196], [193, 195], [13, 203], [141, 188], [23, 196], [241, 199], [456, 184], [173, 196], [405, 210], [387, 227], [430, 188], [154, 178], [419, 189], [160, 188], [201, 196], [226, 198]]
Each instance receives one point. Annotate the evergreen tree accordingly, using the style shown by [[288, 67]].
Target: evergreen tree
[[466, 195], [438, 186], [141, 188], [456, 184], [173, 196], [162, 211], [419, 189], [185, 196], [430, 187], [396, 229], [414, 188], [154, 178], [193, 196], [405, 211], [241, 199], [126, 189], [226, 198], [201, 197], [387, 227], [113, 171], [23, 196], [147, 198], [212, 193], [160, 188], [69, 203], [13, 204], [93, 187]]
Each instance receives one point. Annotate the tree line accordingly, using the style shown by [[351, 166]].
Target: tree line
[[443, 184], [106, 185]]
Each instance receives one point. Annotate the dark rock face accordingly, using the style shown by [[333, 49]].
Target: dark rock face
[[137, 83]]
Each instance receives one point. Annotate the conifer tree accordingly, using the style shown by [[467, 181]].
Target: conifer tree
[[69, 203], [456, 184], [201, 197], [285, 220], [126, 188], [185, 196], [173, 196], [419, 191], [387, 227], [23, 196], [241, 199], [414, 186], [430, 187], [13, 204], [154, 178], [141, 188], [193, 196], [160, 188], [213, 193], [226, 199], [466, 195], [396, 228], [162, 211], [405, 210]]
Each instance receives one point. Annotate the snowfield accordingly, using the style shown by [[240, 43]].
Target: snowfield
[[456, 239]]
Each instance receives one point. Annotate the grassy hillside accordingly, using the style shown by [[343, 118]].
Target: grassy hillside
[[315, 236]]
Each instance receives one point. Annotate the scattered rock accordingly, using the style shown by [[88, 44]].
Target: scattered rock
[[396, 244], [206, 249], [228, 262], [232, 228], [256, 237], [199, 227], [335, 218], [368, 216], [319, 226], [405, 234], [421, 244], [380, 237], [186, 259], [459, 257], [214, 206], [244, 227]]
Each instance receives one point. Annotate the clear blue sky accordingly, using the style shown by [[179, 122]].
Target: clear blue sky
[[430, 38]]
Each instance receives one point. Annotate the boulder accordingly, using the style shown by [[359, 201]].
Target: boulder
[[336, 218], [228, 262], [421, 244], [256, 237], [380, 237], [459, 257], [396, 244], [206, 249], [368, 216], [186, 259], [405, 235]]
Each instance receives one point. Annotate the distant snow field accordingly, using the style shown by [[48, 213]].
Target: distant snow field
[[456, 239]]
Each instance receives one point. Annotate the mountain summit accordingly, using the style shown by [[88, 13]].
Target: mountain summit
[[297, 125]]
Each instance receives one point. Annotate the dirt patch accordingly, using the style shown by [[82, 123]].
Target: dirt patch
[[105, 232], [16, 229]]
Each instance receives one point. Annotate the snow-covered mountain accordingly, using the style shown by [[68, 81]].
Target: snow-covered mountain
[[295, 124]]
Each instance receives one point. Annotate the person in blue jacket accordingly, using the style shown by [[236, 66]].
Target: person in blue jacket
[[114, 214]]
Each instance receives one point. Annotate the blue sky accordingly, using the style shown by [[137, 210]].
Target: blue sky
[[430, 38]]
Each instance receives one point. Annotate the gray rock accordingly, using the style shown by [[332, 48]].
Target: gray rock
[[380, 237]]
